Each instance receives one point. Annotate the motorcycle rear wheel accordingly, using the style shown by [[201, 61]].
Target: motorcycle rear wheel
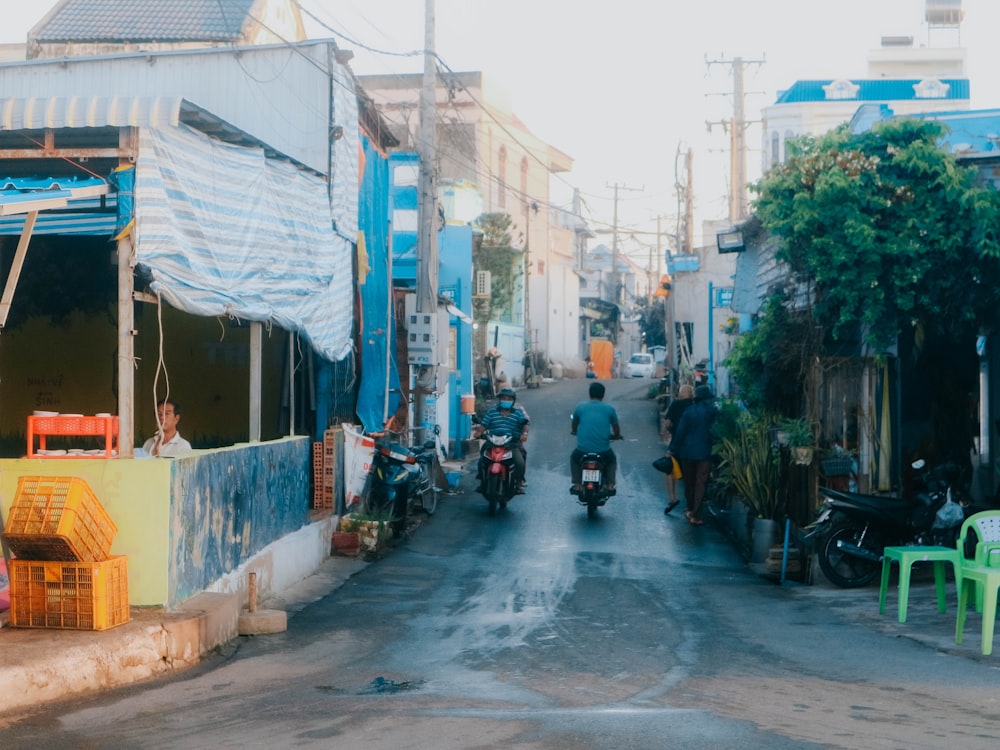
[[592, 507], [845, 570]]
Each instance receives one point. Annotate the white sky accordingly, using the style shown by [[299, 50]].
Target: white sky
[[620, 85]]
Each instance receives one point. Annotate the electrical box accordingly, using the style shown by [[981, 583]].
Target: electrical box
[[421, 334]]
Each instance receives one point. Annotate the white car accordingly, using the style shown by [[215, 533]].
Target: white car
[[640, 366]]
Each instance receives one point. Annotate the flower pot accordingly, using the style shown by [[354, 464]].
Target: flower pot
[[346, 543], [766, 534], [373, 535], [802, 455]]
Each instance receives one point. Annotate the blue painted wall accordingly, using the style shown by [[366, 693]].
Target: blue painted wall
[[227, 505]]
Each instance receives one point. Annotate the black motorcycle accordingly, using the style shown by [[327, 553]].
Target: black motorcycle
[[854, 528], [395, 474], [593, 491]]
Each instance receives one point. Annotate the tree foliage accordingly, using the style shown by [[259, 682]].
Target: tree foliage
[[652, 320], [496, 255], [886, 231]]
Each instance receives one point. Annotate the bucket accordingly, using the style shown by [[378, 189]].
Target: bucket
[[557, 371], [468, 404]]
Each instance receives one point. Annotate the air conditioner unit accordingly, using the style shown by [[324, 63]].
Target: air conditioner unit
[[483, 283]]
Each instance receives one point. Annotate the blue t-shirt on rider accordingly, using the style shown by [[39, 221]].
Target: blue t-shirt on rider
[[593, 420]]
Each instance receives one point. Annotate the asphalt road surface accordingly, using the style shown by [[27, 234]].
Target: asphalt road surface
[[539, 628]]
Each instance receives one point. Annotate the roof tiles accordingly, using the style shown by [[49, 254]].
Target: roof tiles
[[145, 21]]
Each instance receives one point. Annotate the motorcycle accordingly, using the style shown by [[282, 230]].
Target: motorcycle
[[395, 473], [593, 493], [855, 528], [496, 469]]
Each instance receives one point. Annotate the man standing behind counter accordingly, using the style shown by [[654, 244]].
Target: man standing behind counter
[[167, 443]]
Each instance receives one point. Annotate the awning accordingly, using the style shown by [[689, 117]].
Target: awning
[[453, 310]]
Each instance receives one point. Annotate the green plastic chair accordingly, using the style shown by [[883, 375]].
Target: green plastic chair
[[980, 574]]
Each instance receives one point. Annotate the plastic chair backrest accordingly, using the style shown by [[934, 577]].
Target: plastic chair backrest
[[986, 525]]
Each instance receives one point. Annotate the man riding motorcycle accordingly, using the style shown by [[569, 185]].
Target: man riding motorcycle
[[506, 418], [595, 424]]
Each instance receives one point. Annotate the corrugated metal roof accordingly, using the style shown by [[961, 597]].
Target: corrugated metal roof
[[89, 112], [281, 95], [874, 90], [144, 21]]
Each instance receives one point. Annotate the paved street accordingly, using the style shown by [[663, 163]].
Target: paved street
[[540, 628]]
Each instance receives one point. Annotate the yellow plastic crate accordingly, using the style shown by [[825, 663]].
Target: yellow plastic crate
[[58, 518], [69, 595]]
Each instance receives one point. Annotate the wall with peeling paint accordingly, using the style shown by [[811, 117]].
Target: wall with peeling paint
[[230, 503]]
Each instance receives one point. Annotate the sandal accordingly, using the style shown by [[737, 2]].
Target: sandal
[[695, 521], [670, 506]]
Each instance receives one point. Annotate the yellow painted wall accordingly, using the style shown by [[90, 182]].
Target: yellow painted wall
[[136, 496]]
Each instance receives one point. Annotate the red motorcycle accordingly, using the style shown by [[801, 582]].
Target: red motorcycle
[[496, 469]]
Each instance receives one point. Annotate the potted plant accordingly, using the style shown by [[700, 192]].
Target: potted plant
[[347, 538], [374, 528], [751, 465], [799, 438]]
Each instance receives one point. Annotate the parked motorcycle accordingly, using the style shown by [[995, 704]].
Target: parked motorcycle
[[496, 469], [855, 529], [395, 472]]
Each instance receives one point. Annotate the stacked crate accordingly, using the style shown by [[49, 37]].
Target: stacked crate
[[63, 575]]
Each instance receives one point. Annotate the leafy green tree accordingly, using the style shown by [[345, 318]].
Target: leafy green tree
[[652, 320], [496, 255], [884, 231]]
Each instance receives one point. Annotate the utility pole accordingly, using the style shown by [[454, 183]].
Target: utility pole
[[427, 250], [736, 127], [529, 339], [616, 286]]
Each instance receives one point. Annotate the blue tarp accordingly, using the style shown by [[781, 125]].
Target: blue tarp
[[378, 321]]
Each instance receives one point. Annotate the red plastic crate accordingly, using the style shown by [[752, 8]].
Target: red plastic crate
[[58, 518], [69, 595]]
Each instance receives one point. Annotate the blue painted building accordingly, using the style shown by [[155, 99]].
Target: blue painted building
[[454, 371]]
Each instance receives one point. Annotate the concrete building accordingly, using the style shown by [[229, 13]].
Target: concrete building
[[481, 142], [906, 78]]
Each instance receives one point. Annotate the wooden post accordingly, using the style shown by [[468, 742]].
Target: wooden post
[[252, 592]]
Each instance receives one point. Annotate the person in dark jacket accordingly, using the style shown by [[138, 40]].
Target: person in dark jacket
[[692, 446], [679, 405]]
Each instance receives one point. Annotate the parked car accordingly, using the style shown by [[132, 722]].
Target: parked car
[[640, 366]]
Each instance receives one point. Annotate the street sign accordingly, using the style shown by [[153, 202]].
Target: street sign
[[724, 296]]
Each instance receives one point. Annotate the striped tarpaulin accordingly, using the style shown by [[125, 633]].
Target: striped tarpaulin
[[226, 231]]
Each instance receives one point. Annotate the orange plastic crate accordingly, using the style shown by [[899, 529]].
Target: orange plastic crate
[[58, 518], [41, 427], [68, 595]]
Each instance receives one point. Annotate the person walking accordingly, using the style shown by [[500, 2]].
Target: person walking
[[685, 397], [692, 445]]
